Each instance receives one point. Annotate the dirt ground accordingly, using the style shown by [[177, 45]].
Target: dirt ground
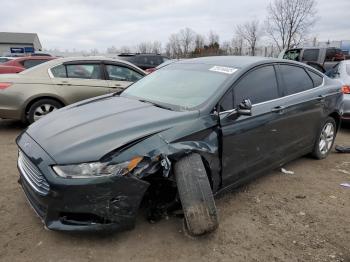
[[279, 217]]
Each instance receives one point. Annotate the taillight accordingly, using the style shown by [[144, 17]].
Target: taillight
[[345, 89], [5, 85]]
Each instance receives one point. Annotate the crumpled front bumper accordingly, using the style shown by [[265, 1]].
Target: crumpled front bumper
[[106, 203]]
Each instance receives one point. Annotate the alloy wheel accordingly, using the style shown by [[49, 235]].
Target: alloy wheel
[[43, 110], [326, 138]]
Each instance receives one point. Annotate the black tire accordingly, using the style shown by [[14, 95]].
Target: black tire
[[196, 196], [42, 104], [317, 152]]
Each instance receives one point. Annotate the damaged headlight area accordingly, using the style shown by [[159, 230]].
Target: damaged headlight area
[[97, 169]]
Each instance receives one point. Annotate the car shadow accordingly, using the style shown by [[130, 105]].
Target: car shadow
[[11, 125]]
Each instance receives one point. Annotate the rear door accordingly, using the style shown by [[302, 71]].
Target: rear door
[[120, 76], [77, 81], [302, 106]]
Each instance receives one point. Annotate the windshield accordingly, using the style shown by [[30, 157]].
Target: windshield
[[182, 85]]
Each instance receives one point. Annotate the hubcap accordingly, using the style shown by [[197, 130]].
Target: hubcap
[[326, 138], [43, 110]]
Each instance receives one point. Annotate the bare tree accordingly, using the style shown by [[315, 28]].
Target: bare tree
[[125, 49], [156, 47], [288, 21], [144, 47], [250, 32], [187, 37], [173, 47], [213, 38], [199, 41]]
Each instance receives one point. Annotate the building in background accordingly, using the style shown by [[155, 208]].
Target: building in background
[[19, 43]]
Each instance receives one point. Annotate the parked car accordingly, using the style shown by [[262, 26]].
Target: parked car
[[321, 58], [4, 59], [341, 72], [35, 92], [143, 61], [188, 131], [19, 64], [167, 62]]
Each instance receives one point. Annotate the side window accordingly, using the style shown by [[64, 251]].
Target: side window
[[226, 102], [295, 79], [311, 55], [59, 71], [121, 73], [316, 78], [84, 71], [30, 63], [259, 86]]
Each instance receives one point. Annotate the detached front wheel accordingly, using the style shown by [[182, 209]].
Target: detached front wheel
[[196, 196]]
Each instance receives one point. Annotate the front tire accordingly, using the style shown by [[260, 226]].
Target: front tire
[[196, 196], [41, 108], [325, 139]]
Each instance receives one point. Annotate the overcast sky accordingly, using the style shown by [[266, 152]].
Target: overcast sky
[[87, 24]]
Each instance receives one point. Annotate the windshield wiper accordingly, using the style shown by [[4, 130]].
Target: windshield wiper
[[155, 104]]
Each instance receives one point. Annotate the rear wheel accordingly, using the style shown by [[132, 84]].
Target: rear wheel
[[41, 108], [325, 139], [196, 196]]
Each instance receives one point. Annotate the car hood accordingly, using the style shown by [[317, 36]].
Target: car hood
[[88, 130]]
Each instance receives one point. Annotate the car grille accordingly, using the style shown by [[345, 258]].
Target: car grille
[[32, 175]]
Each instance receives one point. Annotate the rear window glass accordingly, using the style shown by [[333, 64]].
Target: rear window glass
[[59, 71], [316, 78], [310, 55], [31, 63], [295, 79]]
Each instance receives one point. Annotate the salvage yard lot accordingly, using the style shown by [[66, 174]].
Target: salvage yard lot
[[279, 217]]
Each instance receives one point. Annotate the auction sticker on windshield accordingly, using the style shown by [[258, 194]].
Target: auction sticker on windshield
[[223, 69]]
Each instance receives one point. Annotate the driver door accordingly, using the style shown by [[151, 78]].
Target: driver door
[[249, 143]]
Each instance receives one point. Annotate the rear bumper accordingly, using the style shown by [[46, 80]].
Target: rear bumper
[[108, 203]]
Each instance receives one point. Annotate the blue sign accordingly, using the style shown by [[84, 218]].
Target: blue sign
[[29, 49], [17, 50]]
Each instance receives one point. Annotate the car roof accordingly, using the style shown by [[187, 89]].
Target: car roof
[[41, 70], [230, 61]]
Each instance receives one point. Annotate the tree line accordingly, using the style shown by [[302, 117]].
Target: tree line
[[287, 24]]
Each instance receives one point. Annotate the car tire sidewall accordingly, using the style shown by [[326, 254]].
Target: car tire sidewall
[[34, 106], [316, 152]]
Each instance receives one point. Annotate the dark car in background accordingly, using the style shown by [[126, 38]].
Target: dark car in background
[[321, 58], [144, 61], [190, 130], [19, 64]]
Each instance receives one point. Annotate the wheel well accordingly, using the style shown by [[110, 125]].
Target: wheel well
[[337, 118], [40, 98]]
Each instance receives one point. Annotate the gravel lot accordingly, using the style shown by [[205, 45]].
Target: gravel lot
[[279, 217]]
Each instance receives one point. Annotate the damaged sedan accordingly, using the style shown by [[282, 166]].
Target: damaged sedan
[[174, 140]]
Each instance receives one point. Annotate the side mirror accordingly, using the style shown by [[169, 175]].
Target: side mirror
[[245, 108]]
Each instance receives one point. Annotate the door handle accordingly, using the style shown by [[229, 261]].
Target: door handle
[[278, 109], [64, 83], [321, 98]]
